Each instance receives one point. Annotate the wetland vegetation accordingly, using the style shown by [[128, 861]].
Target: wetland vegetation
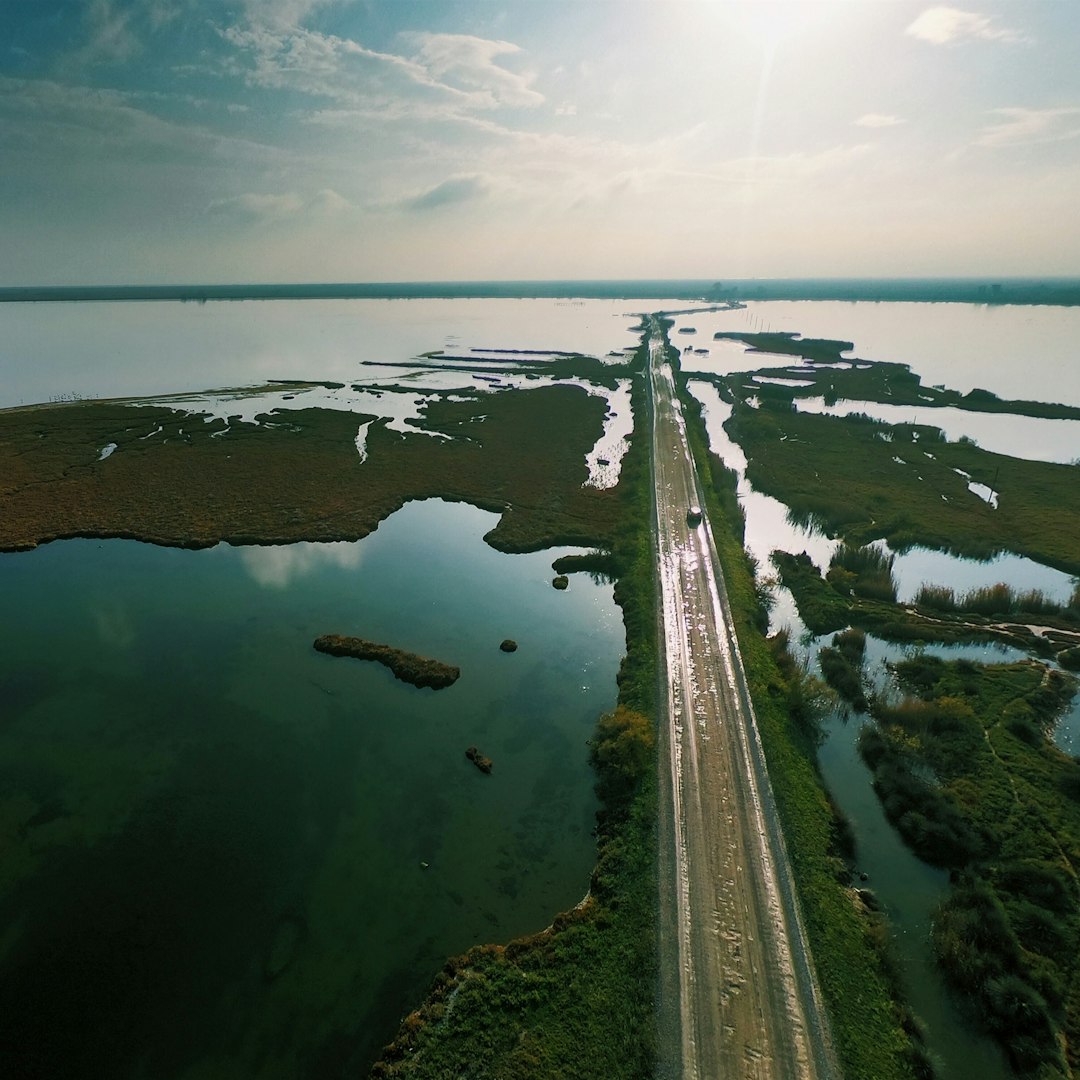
[[179, 481], [963, 765], [961, 756]]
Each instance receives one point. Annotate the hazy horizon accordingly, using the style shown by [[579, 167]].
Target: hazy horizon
[[265, 141]]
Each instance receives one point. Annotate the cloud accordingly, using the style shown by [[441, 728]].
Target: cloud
[[111, 37], [1022, 126], [115, 29], [446, 77], [944, 25], [281, 14], [328, 201], [878, 120], [470, 62], [454, 190], [50, 120], [262, 206]]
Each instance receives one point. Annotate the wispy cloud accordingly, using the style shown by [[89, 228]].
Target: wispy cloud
[[454, 190], [47, 119], [449, 73], [944, 25], [470, 62], [878, 120], [282, 14], [263, 206], [110, 34], [115, 29], [1021, 126]]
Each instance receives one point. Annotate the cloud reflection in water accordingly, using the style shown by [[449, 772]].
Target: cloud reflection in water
[[278, 566]]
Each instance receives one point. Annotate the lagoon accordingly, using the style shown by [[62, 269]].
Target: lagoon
[[211, 828]]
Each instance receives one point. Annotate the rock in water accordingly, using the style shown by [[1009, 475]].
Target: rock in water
[[478, 759]]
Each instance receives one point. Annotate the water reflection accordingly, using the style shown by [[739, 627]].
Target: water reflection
[[1014, 351], [279, 566], [1001, 433], [285, 847], [921, 566]]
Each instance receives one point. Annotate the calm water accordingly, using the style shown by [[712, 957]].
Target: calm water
[[228, 855], [148, 347], [1026, 353], [188, 789]]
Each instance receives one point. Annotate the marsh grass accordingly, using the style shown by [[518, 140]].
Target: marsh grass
[[965, 770], [302, 480], [989, 600], [841, 665], [840, 472]]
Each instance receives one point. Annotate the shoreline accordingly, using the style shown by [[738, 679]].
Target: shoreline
[[1058, 291]]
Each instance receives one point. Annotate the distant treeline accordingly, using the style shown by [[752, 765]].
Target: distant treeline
[[1057, 291]]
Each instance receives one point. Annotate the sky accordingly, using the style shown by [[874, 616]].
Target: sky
[[170, 141]]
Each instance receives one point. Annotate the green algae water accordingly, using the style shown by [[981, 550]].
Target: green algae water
[[224, 854]]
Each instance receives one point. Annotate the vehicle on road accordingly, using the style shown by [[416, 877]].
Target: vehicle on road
[[693, 516]]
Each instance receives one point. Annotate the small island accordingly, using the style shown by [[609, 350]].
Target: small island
[[407, 666], [478, 759]]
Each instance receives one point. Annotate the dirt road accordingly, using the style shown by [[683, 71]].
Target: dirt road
[[739, 994]]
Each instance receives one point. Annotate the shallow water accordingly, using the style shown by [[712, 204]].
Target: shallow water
[[116, 349], [1031, 437], [908, 889], [1020, 352], [227, 854]]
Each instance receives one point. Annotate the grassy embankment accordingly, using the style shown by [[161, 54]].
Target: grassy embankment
[[967, 774], [577, 999], [874, 1034]]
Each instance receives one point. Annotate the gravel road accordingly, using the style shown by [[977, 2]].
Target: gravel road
[[739, 996]]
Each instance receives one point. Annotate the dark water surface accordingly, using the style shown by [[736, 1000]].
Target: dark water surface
[[224, 854]]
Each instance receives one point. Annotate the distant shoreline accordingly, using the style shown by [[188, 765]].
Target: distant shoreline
[[996, 291]]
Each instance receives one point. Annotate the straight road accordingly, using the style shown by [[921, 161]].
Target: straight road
[[740, 996]]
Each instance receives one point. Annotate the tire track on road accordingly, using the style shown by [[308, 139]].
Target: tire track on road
[[741, 997]]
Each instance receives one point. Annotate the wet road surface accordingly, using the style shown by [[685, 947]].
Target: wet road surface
[[739, 998]]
